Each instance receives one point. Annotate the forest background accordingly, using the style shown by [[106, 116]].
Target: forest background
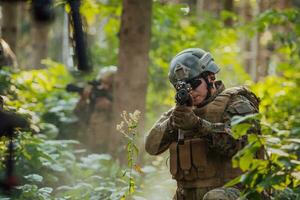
[[254, 42]]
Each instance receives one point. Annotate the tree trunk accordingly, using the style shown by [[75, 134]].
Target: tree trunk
[[10, 28], [214, 7], [228, 6], [263, 55], [246, 44], [130, 87], [265, 59], [66, 55], [283, 4], [39, 43]]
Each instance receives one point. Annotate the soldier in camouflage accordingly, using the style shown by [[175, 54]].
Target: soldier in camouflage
[[201, 165], [94, 111]]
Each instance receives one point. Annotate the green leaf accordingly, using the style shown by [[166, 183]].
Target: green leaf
[[238, 119], [233, 181], [245, 161], [57, 168], [34, 178], [240, 130], [296, 175], [296, 140], [46, 190], [271, 181], [254, 138], [278, 152], [247, 178]]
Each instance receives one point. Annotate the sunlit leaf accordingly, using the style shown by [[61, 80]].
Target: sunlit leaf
[[233, 181], [240, 130], [238, 119], [34, 178], [278, 152], [46, 190]]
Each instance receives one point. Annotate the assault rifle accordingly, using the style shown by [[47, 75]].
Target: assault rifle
[[183, 98], [96, 92]]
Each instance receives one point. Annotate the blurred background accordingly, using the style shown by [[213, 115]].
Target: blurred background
[[73, 148]]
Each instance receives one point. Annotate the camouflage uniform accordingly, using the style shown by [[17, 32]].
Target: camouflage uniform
[[202, 164], [96, 115], [196, 176]]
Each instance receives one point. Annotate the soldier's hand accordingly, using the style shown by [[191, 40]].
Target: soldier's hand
[[171, 123], [184, 118]]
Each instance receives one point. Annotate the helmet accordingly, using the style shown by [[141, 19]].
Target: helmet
[[191, 63], [106, 74]]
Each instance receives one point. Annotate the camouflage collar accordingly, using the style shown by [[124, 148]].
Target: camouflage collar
[[220, 88]]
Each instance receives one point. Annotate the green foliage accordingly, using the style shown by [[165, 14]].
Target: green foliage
[[288, 18], [40, 94], [55, 167], [277, 175], [50, 168]]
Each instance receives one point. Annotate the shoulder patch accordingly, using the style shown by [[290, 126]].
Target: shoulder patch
[[241, 108]]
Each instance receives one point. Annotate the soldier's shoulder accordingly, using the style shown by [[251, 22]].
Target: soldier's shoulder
[[168, 113], [242, 101], [240, 105], [236, 90]]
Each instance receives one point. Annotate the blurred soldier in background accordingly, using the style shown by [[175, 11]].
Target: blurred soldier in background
[[7, 56], [94, 111]]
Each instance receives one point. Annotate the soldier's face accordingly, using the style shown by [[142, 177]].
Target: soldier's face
[[199, 93]]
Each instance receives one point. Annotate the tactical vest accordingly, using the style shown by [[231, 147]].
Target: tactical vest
[[192, 164]]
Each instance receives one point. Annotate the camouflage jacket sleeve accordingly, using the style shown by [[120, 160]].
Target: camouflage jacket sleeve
[[219, 134], [160, 135]]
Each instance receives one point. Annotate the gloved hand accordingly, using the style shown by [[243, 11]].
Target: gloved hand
[[184, 118]]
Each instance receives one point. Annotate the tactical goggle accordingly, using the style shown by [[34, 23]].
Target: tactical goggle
[[195, 82]]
